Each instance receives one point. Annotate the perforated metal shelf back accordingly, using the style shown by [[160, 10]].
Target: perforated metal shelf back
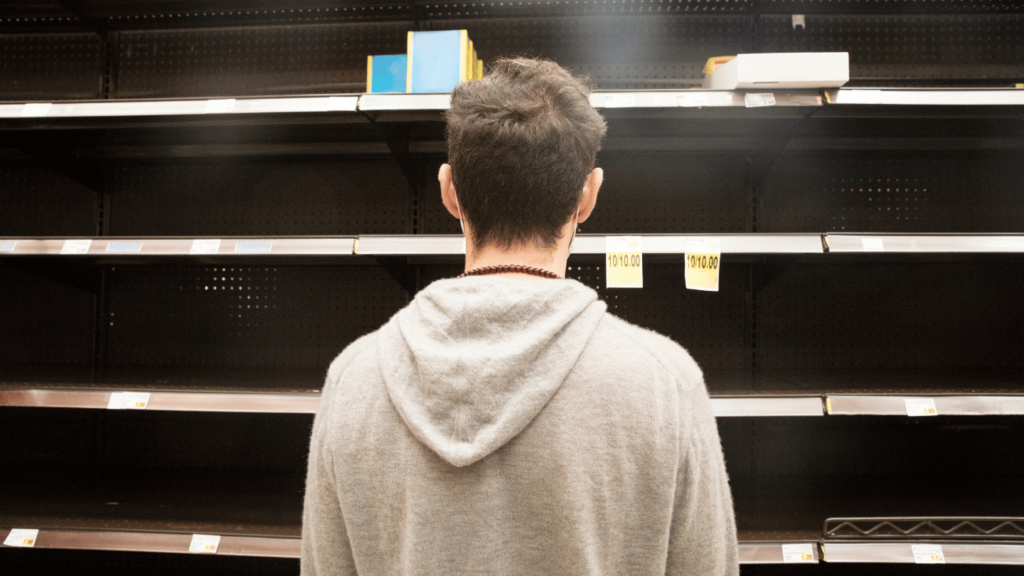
[[50, 66], [899, 192], [43, 321], [252, 316], [41, 202], [369, 196], [711, 326], [848, 316], [904, 50], [301, 59]]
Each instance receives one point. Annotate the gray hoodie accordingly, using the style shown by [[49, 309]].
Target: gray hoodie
[[512, 426]]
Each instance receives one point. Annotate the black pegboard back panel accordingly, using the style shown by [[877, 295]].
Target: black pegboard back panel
[[899, 192], [43, 321], [671, 194], [904, 50], [50, 67], [657, 51], [42, 202], [154, 439], [369, 196], [207, 441], [892, 316], [643, 193], [299, 59], [712, 326], [246, 316]]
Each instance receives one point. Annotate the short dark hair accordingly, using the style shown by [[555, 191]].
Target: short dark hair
[[521, 143]]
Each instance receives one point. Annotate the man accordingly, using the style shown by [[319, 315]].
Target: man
[[503, 423]]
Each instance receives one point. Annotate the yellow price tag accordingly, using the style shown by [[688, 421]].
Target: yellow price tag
[[624, 261], [703, 259]]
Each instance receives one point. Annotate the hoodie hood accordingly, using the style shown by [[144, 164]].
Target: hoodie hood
[[472, 361]]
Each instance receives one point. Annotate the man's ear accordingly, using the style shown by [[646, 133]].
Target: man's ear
[[589, 198], [451, 202]]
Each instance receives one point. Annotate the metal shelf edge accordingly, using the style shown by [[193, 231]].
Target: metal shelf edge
[[878, 405], [771, 552], [925, 243], [168, 401], [200, 107], [111, 246], [280, 547], [699, 98], [902, 552], [595, 244], [262, 546], [927, 97], [753, 406]]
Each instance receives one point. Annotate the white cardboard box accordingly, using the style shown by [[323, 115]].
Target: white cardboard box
[[785, 70]]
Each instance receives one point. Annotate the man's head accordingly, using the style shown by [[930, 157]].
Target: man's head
[[522, 145]]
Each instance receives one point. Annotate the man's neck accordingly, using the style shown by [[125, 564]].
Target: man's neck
[[552, 261]]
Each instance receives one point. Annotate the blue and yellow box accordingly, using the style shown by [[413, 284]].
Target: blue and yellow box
[[386, 73], [438, 60]]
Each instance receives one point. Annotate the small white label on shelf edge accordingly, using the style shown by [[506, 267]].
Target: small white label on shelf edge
[[204, 246], [76, 246], [921, 407], [797, 553], [624, 262], [128, 401], [204, 544], [124, 247], [35, 110], [22, 537], [619, 101], [220, 106], [253, 247], [693, 100], [928, 554], [872, 244], [753, 100], [8, 245]]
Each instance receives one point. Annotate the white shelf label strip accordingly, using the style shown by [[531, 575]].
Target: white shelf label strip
[[204, 246], [798, 553], [921, 407], [204, 544], [873, 245], [8, 245], [928, 554], [22, 537], [128, 401], [76, 247], [753, 100]]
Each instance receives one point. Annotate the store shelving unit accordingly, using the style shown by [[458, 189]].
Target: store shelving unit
[[871, 240]]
